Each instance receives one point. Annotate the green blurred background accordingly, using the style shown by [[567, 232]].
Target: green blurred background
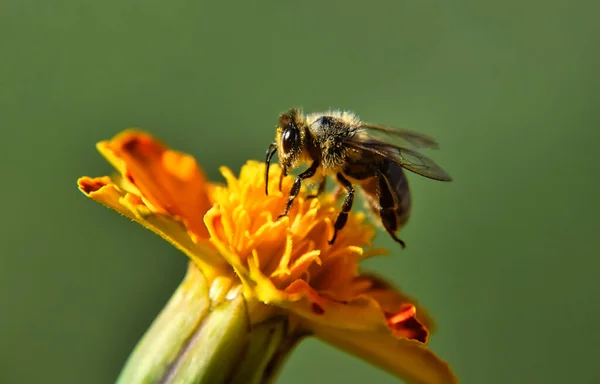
[[506, 257]]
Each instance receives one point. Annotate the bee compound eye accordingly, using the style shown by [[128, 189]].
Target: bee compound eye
[[288, 139]]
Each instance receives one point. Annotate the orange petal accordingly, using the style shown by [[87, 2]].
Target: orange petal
[[407, 359], [393, 301], [369, 310], [361, 313], [404, 323], [102, 190], [169, 181]]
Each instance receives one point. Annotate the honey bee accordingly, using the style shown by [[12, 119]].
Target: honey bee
[[339, 144]]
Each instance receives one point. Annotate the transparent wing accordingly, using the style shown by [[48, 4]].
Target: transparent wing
[[422, 165], [419, 140], [407, 158]]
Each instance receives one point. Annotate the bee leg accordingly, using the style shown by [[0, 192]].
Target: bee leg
[[270, 152], [281, 176], [322, 184], [387, 210], [388, 218], [342, 217], [310, 172]]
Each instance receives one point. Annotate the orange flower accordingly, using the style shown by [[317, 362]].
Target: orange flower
[[280, 267]]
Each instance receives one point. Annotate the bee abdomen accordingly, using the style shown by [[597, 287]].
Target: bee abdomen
[[394, 196], [386, 188]]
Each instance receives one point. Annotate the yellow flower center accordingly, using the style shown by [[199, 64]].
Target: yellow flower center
[[244, 221]]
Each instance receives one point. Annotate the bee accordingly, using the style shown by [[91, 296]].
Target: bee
[[339, 144]]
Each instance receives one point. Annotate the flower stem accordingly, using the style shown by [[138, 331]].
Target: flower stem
[[195, 340]]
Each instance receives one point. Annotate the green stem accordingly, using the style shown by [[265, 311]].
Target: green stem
[[194, 340]]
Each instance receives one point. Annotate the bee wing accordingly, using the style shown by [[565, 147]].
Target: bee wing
[[407, 158], [417, 139]]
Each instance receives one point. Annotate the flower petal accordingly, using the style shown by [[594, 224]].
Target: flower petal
[[102, 190], [169, 181], [375, 307], [407, 359], [361, 313], [392, 299]]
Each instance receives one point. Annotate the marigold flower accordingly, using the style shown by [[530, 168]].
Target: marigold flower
[[283, 268]]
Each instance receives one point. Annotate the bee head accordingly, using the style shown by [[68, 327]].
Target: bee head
[[289, 138]]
